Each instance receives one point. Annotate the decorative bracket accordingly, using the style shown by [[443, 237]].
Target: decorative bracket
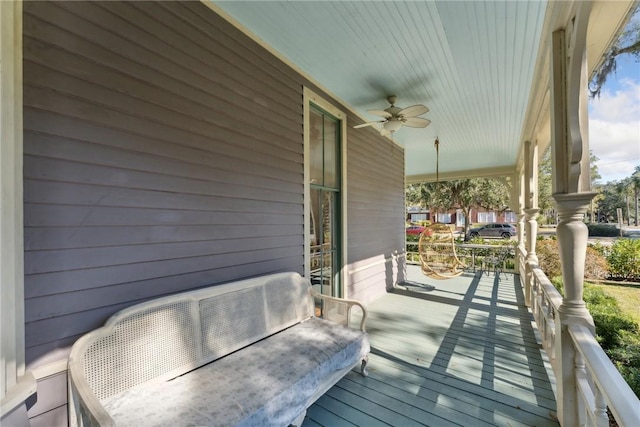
[[570, 155]]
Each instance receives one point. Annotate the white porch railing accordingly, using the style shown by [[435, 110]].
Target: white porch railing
[[599, 384], [472, 255], [545, 300], [521, 256]]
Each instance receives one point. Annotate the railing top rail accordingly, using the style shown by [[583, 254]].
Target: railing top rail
[[621, 399], [550, 291], [483, 246]]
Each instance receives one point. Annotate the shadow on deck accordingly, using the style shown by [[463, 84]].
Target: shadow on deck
[[447, 352]]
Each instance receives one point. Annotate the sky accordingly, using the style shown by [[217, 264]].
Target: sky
[[614, 122]]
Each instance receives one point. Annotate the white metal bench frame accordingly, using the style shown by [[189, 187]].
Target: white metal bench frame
[[85, 407]]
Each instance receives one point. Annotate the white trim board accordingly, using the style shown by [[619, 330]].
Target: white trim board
[[311, 97]]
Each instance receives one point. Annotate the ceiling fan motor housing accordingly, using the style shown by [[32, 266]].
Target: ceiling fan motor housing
[[395, 117]]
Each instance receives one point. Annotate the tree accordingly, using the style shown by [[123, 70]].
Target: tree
[[412, 195], [628, 43], [619, 194], [431, 195], [635, 182], [593, 169], [622, 188], [611, 198], [464, 194], [545, 199]]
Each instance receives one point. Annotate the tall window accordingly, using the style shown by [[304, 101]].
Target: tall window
[[418, 217], [459, 218], [444, 218], [324, 189], [484, 217]]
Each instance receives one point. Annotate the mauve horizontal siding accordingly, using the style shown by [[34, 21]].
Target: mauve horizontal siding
[[159, 157], [163, 152], [375, 213]]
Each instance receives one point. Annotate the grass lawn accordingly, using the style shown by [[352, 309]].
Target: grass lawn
[[628, 298]]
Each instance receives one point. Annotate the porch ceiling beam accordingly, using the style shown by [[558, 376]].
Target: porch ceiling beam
[[505, 171]]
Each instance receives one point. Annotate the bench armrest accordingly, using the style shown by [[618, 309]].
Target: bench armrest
[[84, 407], [344, 304]]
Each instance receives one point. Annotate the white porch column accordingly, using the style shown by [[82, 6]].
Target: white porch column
[[516, 204], [521, 242], [16, 385], [530, 211], [531, 226], [521, 267], [571, 188]]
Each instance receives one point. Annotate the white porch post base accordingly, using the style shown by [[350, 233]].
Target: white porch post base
[[532, 258], [521, 243], [572, 236]]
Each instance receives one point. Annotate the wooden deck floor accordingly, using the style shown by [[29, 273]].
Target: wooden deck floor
[[455, 352]]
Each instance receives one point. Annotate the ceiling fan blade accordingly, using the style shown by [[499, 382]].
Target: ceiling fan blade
[[413, 111], [380, 113], [416, 122], [364, 125]]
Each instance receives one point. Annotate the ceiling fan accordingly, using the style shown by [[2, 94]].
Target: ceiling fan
[[395, 117]]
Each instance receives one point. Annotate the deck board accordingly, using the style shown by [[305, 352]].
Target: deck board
[[454, 352]]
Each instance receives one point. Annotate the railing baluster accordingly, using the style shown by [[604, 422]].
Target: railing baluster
[[607, 385], [602, 419], [585, 402]]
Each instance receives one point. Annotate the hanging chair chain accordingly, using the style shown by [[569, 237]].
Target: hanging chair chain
[[437, 145]]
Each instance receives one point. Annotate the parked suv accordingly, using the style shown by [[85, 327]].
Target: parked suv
[[494, 230]]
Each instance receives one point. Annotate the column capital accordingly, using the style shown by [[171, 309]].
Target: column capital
[[530, 213], [573, 202]]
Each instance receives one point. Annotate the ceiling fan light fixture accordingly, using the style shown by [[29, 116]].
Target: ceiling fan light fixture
[[393, 118], [392, 125]]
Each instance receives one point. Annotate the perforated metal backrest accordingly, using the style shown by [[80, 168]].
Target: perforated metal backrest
[[231, 321], [289, 301], [143, 346], [235, 319]]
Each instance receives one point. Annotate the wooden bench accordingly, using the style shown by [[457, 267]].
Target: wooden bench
[[244, 353]]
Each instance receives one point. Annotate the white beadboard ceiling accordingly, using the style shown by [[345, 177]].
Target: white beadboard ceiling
[[471, 62]]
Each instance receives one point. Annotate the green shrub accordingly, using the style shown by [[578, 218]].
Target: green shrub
[[595, 265], [549, 260], [603, 230], [624, 259], [631, 375], [557, 283], [610, 325], [599, 247], [413, 237], [617, 333], [629, 353]]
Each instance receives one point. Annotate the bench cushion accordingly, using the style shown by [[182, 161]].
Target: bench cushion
[[267, 383]]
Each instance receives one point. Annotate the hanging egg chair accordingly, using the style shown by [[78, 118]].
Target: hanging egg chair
[[437, 251]]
